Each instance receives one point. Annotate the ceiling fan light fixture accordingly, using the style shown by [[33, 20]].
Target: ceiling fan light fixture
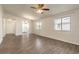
[[39, 11]]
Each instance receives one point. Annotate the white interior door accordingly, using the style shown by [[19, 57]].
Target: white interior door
[[10, 27]]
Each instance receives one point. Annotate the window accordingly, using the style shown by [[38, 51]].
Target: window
[[25, 26], [38, 25], [62, 24], [66, 24], [58, 24]]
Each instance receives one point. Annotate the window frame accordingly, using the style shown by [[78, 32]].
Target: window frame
[[69, 25], [61, 18]]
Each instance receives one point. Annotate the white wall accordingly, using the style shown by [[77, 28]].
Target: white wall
[[1, 33], [4, 27], [18, 27], [48, 27]]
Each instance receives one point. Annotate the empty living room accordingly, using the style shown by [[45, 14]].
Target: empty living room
[[39, 29]]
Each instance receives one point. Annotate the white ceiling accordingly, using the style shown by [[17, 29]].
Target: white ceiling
[[24, 10]]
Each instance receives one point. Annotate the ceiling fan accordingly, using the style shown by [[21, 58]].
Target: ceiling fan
[[41, 8]]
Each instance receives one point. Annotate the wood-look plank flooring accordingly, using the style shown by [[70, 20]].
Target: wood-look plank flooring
[[34, 44]]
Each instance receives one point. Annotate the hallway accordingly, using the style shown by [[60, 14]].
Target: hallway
[[35, 44]]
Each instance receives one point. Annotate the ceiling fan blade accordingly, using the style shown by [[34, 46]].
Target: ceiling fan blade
[[40, 5], [34, 7], [46, 9]]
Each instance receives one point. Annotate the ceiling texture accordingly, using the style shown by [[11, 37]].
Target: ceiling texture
[[24, 10]]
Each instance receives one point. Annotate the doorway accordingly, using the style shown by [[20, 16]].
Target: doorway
[[10, 26]]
